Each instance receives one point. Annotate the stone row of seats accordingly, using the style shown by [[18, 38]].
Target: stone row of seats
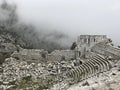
[[102, 44], [95, 65], [117, 49], [114, 50]]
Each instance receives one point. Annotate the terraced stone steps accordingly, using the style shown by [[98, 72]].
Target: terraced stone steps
[[106, 49], [95, 64], [114, 50], [102, 44]]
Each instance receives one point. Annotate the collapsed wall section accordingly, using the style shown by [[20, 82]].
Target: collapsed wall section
[[41, 55], [30, 55], [62, 55]]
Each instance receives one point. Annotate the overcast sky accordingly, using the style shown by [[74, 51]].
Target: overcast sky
[[73, 17]]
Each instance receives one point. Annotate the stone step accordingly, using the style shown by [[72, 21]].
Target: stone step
[[108, 65], [97, 62], [92, 67]]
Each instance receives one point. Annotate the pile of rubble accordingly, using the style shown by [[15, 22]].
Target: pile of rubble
[[20, 75], [15, 74], [13, 71]]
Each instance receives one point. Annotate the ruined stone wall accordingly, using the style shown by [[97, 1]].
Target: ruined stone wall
[[62, 55], [38, 55], [30, 54], [90, 40], [86, 42]]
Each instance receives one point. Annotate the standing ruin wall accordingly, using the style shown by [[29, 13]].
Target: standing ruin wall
[[39, 55], [86, 42]]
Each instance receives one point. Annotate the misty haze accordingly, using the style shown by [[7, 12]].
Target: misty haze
[[59, 45], [73, 17]]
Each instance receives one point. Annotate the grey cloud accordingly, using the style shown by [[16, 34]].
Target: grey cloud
[[73, 17]]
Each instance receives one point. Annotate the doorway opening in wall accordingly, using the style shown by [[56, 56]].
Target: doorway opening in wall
[[43, 55], [79, 53], [94, 40]]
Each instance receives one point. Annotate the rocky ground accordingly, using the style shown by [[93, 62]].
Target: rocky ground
[[21, 75]]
